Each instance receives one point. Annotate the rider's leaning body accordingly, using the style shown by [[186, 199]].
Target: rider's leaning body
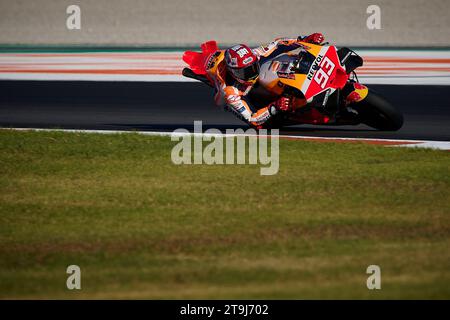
[[234, 71]]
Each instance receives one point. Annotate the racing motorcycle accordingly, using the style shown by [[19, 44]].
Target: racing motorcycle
[[322, 86]]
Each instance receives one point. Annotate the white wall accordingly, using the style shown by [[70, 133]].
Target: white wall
[[189, 22]]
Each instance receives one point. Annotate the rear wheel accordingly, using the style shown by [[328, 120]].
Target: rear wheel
[[377, 113]]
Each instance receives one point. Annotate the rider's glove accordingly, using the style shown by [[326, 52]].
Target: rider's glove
[[315, 38], [283, 104]]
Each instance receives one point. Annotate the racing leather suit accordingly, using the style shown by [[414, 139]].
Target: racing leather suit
[[231, 94]]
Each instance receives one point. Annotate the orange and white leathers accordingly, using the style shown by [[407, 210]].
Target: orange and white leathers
[[230, 94]]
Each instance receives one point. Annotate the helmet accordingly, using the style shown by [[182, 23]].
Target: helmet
[[242, 63]]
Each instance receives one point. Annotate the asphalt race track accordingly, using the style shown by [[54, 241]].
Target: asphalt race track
[[153, 106]]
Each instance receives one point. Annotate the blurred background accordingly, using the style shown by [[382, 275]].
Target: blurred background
[[404, 23]]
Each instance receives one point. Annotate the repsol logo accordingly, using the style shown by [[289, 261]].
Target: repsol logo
[[314, 67]]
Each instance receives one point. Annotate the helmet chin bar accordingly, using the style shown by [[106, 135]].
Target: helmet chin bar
[[247, 82], [248, 74]]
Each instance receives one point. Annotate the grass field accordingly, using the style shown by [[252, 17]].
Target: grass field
[[141, 227]]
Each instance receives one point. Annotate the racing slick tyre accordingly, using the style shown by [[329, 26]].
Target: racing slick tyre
[[377, 113]]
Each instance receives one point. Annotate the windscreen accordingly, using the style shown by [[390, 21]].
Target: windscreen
[[304, 62]]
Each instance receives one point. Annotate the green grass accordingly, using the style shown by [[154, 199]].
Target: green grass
[[142, 227]]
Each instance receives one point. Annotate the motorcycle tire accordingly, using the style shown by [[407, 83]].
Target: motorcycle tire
[[377, 113]]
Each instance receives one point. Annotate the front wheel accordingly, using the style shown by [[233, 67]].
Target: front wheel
[[377, 113]]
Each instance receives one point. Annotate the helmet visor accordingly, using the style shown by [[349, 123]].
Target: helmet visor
[[250, 72]]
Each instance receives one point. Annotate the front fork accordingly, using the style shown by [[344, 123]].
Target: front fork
[[352, 93]]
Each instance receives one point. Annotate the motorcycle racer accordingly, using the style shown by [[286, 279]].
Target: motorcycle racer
[[234, 72], [315, 84]]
